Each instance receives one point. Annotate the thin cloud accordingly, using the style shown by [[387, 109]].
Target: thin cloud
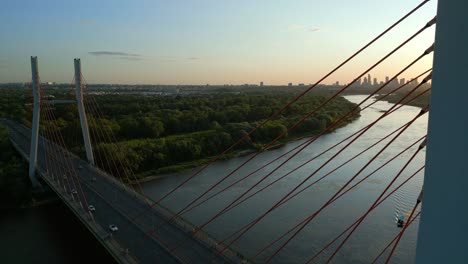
[[302, 28], [113, 53], [193, 58]]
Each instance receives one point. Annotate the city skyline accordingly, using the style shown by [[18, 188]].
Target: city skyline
[[207, 42]]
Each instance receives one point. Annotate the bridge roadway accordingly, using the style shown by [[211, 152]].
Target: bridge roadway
[[118, 204]]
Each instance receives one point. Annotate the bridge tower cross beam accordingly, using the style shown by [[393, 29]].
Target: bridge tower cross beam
[[36, 85], [443, 229], [82, 112]]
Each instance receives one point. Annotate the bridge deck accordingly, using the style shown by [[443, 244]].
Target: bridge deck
[[117, 204]]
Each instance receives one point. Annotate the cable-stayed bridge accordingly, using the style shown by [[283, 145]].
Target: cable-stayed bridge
[[136, 229]]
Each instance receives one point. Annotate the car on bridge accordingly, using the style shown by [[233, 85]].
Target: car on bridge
[[91, 208], [73, 191], [113, 228]]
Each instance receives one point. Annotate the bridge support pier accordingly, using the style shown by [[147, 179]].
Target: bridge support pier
[[36, 83], [82, 112], [444, 218]]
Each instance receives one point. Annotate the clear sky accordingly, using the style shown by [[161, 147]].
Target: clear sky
[[206, 41]]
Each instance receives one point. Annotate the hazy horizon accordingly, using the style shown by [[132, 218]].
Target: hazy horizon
[[208, 42]]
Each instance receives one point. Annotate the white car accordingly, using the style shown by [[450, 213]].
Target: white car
[[73, 191], [91, 208], [113, 228]]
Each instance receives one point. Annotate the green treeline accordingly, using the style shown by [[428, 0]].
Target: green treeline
[[158, 134], [162, 134], [419, 101]]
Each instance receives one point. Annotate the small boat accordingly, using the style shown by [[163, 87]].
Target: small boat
[[401, 221]]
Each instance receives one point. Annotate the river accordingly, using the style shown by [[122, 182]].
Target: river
[[367, 241], [38, 235]]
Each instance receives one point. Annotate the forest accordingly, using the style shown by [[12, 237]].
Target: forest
[[161, 134]]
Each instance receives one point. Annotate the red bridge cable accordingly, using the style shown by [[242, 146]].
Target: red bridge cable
[[62, 146], [113, 140], [318, 180], [339, 191], [395, 238], [298, 146], [122, 211], [304, 118], [375, 202], [330, 243], [310, 114], [389, 111], [350, 226], [294, 100], [55, 140], [101, 138], [268, 211], [310, 185], [339, 196], [401, 233], [344, 231], [47, 150], [48, 114]]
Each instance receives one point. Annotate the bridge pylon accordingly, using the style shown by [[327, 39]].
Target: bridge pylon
[[36, 86], [82, 112], [444, 216]]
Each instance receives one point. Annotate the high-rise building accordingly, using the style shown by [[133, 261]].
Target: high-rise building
[[289, 84], [365, 83], [386, 79], [358, 82], [369, 79], [261, 84], [375, 82], [402, 81]]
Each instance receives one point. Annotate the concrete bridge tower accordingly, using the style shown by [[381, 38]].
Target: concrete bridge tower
[[443, 228], [36, 85]]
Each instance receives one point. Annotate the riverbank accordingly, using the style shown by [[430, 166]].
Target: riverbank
[[421, 101], [168, 171]]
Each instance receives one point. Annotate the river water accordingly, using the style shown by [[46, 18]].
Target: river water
[[371, 236], [50, 234]]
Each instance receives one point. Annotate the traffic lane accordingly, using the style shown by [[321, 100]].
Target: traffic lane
[[176, 235]]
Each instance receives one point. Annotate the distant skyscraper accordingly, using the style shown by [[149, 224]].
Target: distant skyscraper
[[369, 79], [375, 82], [337, 83], [358, 82], [402, 81], [386, 79], [365, 81], [289, 84], [261, 84]]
